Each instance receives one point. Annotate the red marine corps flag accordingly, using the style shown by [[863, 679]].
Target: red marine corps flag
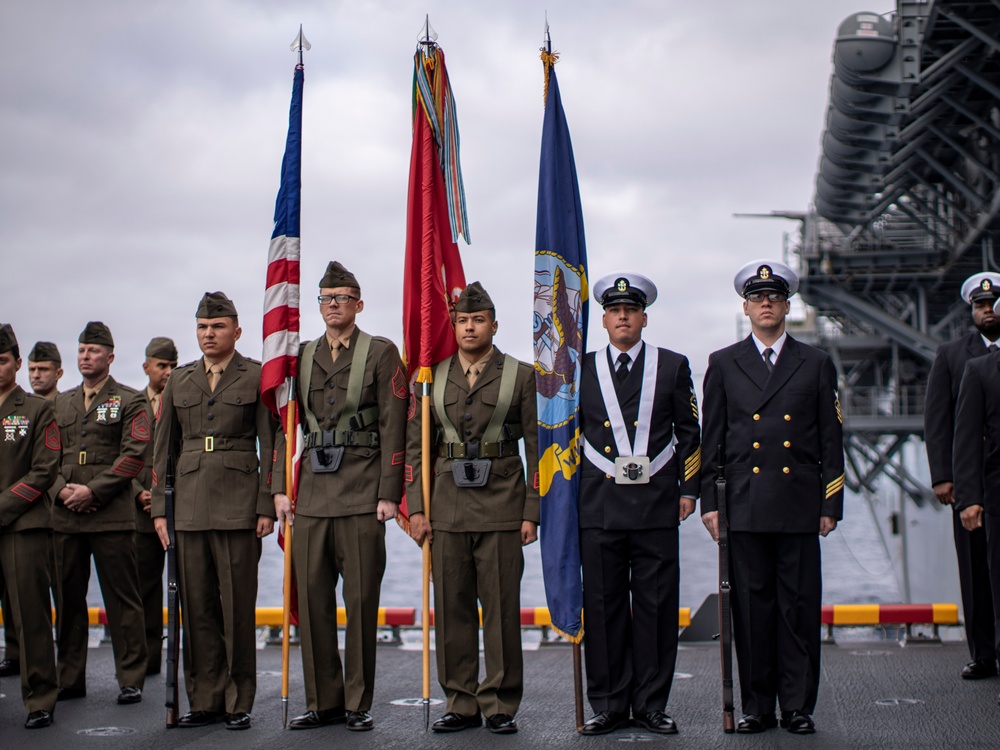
[[432, 275], [281, 334]]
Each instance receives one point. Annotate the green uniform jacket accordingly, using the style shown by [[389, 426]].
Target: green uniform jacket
[[29, 461], [223, 489], [366, 475], [506, 500], [104, 447], [144, 479]]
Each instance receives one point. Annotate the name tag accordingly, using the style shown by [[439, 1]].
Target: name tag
[[632, 470]]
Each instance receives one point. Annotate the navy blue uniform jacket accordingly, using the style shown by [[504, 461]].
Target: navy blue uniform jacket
[[781, 435], [606, 505]]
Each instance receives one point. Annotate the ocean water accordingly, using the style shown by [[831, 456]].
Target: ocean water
[[858, 566]]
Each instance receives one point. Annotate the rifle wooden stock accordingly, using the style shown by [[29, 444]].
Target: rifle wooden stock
[[173, 601], [725, 611]]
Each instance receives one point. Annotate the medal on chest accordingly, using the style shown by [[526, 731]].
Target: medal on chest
[[109, 409], [15, 427]]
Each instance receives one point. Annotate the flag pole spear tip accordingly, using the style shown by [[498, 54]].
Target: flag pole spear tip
[[427, 36], [300, 43], [548, 36]]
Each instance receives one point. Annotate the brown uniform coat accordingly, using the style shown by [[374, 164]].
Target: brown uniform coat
[[223, 489], [372, 474], [505, 501], [115, 436], [29, 463]]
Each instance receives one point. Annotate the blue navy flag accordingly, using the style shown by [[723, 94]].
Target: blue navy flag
[[560, 339]]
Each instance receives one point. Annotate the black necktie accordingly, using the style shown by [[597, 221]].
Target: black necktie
[[767, 358], [622, 371], [993, 347]]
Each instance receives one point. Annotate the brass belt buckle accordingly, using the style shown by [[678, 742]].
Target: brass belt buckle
[[209, 444], [82, 459]]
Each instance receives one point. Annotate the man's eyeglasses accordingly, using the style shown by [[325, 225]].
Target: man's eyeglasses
[[771, 296], [340, 299]]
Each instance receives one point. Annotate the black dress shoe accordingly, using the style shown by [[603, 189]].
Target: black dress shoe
[[501, 724], [979, 670], [801, 723], [38, 719], [10, 668], [130, 694], [751, 724], [238, 721], [656, 721], [68, 694], [314, 719], [199, 718], [452, 722], [360, 721], [604, 722]]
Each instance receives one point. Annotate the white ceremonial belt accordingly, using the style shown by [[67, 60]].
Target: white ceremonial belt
[[608, 466]]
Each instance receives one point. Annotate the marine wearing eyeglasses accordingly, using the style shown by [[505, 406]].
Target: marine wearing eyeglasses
[[353, 396]]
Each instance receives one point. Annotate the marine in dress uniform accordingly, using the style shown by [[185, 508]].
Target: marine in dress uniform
[[980, 291], [641, 459], [29, 463], [44, 371], [482, 511], [105, 432], [771, 403], [212, 423], [350, 484], [161, 359]]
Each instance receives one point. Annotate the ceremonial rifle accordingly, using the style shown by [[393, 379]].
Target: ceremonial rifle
[[173, 600], [725, 611]]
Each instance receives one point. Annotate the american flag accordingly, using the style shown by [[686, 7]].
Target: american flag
[[281, 294]]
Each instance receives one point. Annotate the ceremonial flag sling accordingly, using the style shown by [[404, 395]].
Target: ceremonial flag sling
[[281, 334], [560, 338], [432, 274]]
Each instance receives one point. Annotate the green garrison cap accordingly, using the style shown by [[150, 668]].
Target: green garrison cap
[[336, 275], [216, 305], [45, 351], [161, 347], [97, 333], [8, 340], [474, 299]]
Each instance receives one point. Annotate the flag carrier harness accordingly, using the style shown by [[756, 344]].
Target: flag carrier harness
[[326, 447]]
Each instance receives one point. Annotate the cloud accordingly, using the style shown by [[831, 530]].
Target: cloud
[[142, 147]]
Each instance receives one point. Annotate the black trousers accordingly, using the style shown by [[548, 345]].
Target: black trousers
[[777, 616], [630, 600], [977, 595]]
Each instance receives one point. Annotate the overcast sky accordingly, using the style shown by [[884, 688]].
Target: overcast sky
[[142, 141]]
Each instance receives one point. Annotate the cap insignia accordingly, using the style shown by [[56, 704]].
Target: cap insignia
[[764, 272], [621, 285]]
